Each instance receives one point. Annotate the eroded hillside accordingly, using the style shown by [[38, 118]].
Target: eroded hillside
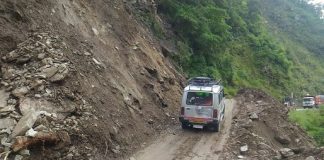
[[97, 72]]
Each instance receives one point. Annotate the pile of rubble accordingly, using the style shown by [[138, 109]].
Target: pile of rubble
[[35, 108], [261, 130]]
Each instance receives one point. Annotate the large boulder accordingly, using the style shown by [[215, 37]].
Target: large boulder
[[26, 122], [20, 92], [28, 105]]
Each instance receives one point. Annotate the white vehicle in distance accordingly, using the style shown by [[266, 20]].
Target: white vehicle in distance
[[309, 102], [203, 104]]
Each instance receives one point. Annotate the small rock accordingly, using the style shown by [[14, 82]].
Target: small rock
[[24, 152], [259, 102], [20, 92], [31, 133], [115, 130], [132, 158], [38, 96], [18, 157], [150, 121], [49, 72], [4, 142], [244, 149], [47, 61], [115, 151], [11, 56], [277, 157], [41, 56], [135, 48], [61, 75], [310, 158], [69, 156], [87, 53], [7, 109], [282, 139], [40, 128], [6, 123], [254, 116], [4, 83], [240, 157], [4, 96], [7, 130], [36, 83], [286, 152], [96, 61], [23, 59], [12, 102], [95, 31], [298, 150]]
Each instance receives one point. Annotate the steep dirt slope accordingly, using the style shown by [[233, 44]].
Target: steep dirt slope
[[117, 88]]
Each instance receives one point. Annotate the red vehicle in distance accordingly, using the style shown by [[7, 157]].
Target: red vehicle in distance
[[319, 100]]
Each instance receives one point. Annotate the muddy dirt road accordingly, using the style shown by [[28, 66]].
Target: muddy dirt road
[[189, 144]]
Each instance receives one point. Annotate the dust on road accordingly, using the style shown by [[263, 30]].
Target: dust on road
[[189, 144]]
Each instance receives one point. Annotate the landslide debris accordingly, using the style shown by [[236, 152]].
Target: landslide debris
[[31, 112], [261, 130], [88, 69]]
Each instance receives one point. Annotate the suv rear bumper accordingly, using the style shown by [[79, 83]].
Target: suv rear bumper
[[207, 124]]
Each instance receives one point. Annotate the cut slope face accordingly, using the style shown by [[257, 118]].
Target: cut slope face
[[114, 67], [261, 130]]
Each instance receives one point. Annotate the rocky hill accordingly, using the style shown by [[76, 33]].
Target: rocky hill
[[84, 75]]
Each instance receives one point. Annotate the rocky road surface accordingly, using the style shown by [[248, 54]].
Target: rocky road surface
[[189, 144]]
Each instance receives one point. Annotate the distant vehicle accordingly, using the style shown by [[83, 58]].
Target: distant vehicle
[[288, 101], [203, 104], [319, 100], [309, 102]]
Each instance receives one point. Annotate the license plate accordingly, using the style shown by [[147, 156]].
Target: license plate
[[198, 126], [198, 120]]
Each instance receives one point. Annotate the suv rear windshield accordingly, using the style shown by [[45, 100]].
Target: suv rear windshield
[[199, 98]]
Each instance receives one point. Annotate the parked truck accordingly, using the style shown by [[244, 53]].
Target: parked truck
[[319, 100], [309, 101]]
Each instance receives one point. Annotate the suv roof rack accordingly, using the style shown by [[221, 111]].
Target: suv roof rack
[[203, 81]]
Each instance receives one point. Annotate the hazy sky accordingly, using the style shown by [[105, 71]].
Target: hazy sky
[[317, 1]]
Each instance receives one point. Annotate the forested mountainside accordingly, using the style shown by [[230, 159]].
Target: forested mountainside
[[272, 45]]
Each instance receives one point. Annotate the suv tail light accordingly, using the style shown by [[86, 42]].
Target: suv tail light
[[215, 113], [182, 111]]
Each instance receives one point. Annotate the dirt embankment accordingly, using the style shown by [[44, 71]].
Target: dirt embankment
[[261, 130], [97, 72]]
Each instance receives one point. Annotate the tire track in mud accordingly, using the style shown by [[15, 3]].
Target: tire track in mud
[[189, 144]]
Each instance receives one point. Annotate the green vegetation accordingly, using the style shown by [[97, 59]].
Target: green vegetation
[[297, 27], [247, 43], [312, 121]]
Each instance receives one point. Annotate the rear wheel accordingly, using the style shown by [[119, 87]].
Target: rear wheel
[[215, 128]]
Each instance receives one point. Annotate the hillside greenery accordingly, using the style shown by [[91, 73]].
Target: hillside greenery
[[312, 120], [248, 44]]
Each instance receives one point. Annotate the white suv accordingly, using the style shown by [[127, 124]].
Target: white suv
[[203, 104]]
